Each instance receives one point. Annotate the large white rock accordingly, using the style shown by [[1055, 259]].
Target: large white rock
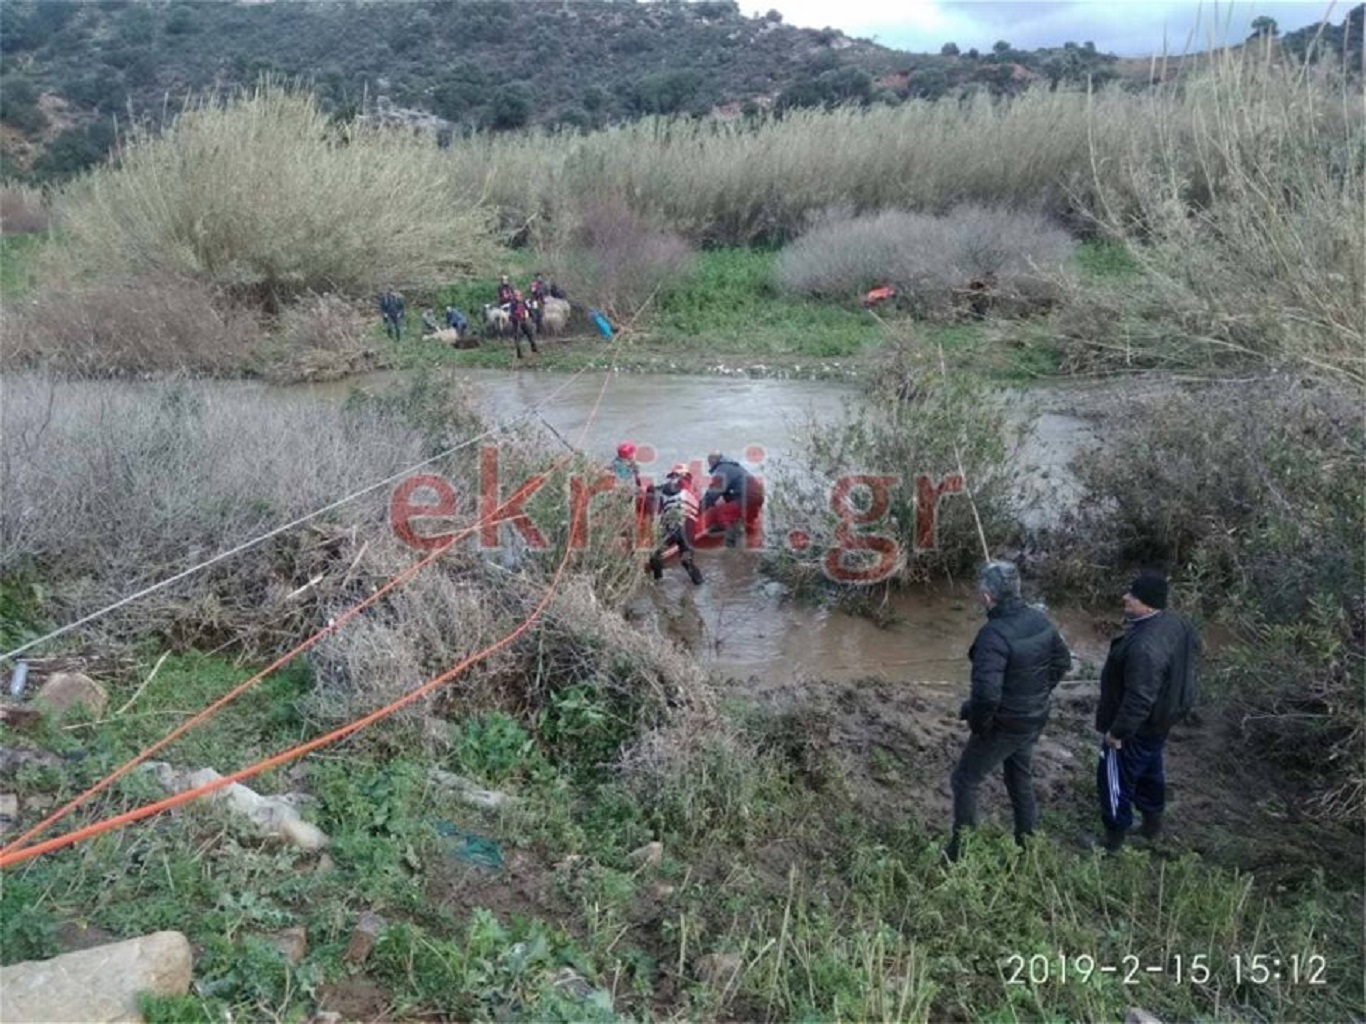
[[274, 815], [98, 985]]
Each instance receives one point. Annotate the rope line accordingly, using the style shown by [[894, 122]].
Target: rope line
[[222, 702], [15, 853], [534, 410]]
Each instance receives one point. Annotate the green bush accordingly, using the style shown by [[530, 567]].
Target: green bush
[[910, 527]]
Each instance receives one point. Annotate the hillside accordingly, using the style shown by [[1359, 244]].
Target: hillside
[[69, 72]]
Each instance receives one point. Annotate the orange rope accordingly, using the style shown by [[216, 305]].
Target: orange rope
[[15, 852], [246, 685]]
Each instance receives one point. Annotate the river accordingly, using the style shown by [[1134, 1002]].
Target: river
[[737, 622]]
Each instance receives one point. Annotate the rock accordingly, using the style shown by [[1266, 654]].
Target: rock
[[647, 856], [718, 970], [469, 792], [1137, 1015], [571, 981], [66, 690], [14, 758], [363, 938], [100, 984], [275, 815], [9, 811], [292, 943], [40, 802]]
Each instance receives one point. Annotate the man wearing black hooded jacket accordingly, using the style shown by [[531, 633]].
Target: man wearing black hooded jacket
[[1018, 658]]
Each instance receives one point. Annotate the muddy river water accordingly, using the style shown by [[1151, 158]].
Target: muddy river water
[[738, 622]]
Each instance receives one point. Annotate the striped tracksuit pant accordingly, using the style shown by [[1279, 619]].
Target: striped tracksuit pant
[[1131, 777]]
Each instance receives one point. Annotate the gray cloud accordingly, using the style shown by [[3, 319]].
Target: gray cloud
[[1136, 28]]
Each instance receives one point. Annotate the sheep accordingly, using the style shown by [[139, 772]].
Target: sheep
[[555, 316], [497, 320]]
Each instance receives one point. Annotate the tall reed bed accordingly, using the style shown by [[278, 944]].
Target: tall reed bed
[[266, 197], [742, 183], [1244, 198]]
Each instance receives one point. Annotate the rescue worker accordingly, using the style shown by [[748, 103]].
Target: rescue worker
[[678, 513], [429, 325], [624, 466], [456, 321], [506, 293], [521, 323], [536, 294], [734, 500]]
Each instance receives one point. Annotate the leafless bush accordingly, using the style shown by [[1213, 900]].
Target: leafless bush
[[23, 209], [106, 487], [152, 323], [1252, 494], [615, 260], [319, 337], [970, 260]]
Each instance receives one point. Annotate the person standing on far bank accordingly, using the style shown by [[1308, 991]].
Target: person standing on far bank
[[1148, 684], [1018, 657]]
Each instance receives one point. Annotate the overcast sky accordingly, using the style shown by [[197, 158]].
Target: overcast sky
[[1130, 28]]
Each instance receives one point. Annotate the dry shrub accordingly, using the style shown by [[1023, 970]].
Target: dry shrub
[[950, 425], [119, 326], [107, 487], [264, 196], [1252, 495], [615, 260], [23, 209], [319, 337], [972, 259], [1245, 203]]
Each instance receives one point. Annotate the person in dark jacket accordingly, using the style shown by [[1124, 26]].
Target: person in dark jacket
[[1148, 684], [391, 309], [456, 321], [1018, 657], [733, 501]]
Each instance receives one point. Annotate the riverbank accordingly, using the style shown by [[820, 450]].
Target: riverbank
[[713, 803]]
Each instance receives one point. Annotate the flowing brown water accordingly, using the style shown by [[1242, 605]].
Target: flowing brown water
[[737, 621]]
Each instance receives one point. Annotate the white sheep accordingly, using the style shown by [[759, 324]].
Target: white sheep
[[555, 315], [497, 320]]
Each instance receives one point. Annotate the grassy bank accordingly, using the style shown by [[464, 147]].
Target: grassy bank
[[773, 895]]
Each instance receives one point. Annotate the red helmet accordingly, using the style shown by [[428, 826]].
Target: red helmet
[[626, 450]]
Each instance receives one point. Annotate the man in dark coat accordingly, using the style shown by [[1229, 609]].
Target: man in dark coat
[[391, 309], [1148, 684], [1018, 657], [733, 502]]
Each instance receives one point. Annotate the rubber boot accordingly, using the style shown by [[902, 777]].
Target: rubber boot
[[694, 573], [1114, 840], [656, 567], [1151, 829]]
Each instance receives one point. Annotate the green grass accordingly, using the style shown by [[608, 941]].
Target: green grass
[[18, 257], [855, 920], [1107, 260], [730, 304]]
